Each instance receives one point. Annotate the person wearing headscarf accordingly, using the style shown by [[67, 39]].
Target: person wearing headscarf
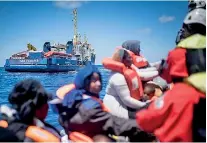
[[147, 71], [29, 109], [118, 97], [180, 114], [82, 112]]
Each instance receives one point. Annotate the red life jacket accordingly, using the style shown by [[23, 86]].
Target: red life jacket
[[138, 61]]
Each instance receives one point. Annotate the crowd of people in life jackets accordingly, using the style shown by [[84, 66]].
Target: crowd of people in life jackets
[[144, 102]]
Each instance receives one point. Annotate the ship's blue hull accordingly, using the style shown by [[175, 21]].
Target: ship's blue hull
[[42, 65], [41, 68]]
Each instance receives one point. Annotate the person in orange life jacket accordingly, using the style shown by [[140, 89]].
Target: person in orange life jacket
[[155, 88], [120, 96], [134, 46], [81, 110], [147, 71], [29, 99], [178, 115]]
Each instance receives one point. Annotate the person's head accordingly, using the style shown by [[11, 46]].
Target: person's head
[[127, 59], [89, 78], [193, 4], [133, 46], [94, 85], [123, 56], [189, 57], [156, 87], [151, 90], [30, 98], [194, 23]]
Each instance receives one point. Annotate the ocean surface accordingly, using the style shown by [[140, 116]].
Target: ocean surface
[[51, 81]]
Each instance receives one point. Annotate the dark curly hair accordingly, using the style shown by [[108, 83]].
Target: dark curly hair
[[27, 96]]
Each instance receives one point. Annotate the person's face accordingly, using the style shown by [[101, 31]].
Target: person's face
[[149, 92], [95, 84], [127, 60]]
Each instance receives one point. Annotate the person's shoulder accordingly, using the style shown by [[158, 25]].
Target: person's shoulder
[[117, 79], [90, 103], [117, 76]]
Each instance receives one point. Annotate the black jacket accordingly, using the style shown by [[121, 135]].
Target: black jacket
[[87, 116]]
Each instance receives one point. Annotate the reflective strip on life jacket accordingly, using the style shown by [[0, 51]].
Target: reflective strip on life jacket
[[132, 78], [3, 124], [40, 135], [79, 137]]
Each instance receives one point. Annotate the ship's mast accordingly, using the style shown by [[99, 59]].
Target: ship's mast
[[75, 26], [85, 39]]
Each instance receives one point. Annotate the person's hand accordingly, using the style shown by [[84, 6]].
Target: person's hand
[[145, 98], [162, 66], [148, 101]]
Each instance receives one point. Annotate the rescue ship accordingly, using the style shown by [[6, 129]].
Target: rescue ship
[[75, 54]]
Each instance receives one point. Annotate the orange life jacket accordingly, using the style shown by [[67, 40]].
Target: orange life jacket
[[3, 124], [35, 133], [79, 137], [138, 61], [132, 78], [62, 91], [38, 134]]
